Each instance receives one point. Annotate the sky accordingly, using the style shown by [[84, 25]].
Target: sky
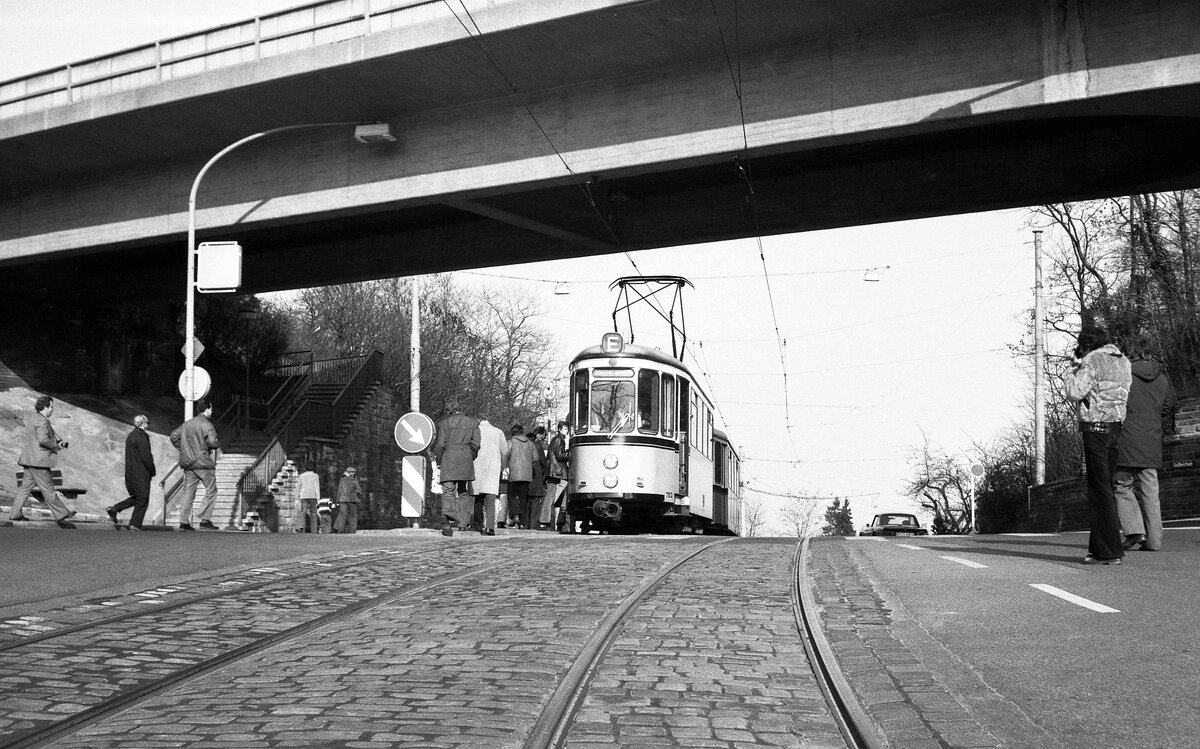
[[873, 368]]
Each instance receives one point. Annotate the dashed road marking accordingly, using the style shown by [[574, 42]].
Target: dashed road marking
[[1077, 600], [910, 546], [966, 563]]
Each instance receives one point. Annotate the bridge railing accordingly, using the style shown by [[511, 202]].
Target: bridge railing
[[258, 38]]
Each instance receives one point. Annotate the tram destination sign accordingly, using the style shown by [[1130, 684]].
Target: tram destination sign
[[414, 432]]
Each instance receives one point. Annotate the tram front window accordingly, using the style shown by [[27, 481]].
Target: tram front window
[[612, 407]]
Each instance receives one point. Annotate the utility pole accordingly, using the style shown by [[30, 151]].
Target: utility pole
[[1039, 359], [414, 359]]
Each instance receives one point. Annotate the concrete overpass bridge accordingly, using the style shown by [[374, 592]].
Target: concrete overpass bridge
[[537, 129]]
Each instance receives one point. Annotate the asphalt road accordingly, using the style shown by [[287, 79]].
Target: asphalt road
[[1117, 667]]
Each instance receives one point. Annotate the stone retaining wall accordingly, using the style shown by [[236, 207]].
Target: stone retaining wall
[[1062, 505]]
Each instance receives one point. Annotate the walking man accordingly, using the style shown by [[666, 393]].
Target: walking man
[[456, 447], [348, 494], [139, 469], [310, 493], [38, 456], [197, 443]]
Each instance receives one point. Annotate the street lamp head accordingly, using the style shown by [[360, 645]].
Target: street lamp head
[[377, 132]]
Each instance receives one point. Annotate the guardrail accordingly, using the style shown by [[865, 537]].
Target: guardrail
[[254, 39]]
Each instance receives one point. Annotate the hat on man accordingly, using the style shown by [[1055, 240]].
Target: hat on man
[[351, 469]]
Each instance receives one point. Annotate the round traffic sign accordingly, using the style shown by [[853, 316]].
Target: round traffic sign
[[197, 386], [414, 432]]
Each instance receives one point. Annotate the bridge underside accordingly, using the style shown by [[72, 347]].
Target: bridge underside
[[985, 168], [852, 113]]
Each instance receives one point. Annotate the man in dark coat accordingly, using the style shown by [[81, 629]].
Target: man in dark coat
[[139, 469], [1139, 450], [458, 441], [38, 457]]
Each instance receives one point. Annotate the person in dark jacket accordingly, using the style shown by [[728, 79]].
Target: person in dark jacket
[[197, 443], [1099, 383], [560, 459], [348, 493], [539, 509], [38, 456], [522, 456], [139, 469], [1139, 450], [458, 441]]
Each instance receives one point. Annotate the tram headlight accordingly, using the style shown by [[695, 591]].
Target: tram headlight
[[610, 481], [610, 461]]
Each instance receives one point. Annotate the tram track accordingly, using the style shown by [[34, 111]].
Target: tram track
[[856, 726], [45, 734], [149, 610], [553, 726]]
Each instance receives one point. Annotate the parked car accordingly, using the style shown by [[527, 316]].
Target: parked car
[[894, 524]]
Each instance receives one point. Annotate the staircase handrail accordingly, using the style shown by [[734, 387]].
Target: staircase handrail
[[312, 419]]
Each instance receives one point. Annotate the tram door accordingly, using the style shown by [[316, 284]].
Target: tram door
[[684, 434]]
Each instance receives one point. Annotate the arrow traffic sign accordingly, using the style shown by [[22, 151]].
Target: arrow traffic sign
[[414, 432]]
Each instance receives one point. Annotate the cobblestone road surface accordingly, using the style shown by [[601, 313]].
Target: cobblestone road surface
[[712, 658]]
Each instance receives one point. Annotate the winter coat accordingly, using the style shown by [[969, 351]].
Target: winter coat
[[541, 467], [560, 457], [456, 447], [139, 463], [196, 440], [41, 443], [348, 489], [489, 463], [521, 456], [1100, 385], [1151, 398]]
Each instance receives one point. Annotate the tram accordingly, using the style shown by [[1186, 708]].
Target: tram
[[644, 454]]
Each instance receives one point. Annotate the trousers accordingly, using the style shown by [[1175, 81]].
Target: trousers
[[44, 479], [1131, 485], [193, 477], [1100, 460]]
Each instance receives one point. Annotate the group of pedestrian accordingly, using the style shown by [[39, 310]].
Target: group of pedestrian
[[316, 510], [1122, 400], [475, 457], [198, 445]]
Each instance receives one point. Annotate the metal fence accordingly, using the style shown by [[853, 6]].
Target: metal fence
[[258, 38]]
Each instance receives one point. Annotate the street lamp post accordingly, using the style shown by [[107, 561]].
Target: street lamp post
[[247, 316], [364, 134]]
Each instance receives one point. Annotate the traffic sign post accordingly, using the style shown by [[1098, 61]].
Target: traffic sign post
[[414, 432], [412, 486]]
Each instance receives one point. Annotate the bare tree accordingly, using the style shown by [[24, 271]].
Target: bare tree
[[798, 515], [941, 485], [754, 516]]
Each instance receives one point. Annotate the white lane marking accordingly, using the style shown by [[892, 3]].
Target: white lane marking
[[966, 563], [1077, 600], [910, 546]]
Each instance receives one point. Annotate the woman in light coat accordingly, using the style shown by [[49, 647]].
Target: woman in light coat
[[489, 464]]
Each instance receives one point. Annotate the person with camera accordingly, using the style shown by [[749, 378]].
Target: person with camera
[[38, 456], [1098, 381]]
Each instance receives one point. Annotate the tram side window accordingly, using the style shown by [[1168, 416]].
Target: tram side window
[[647, 401], [708, 436], [579, 400], [612, 407], [684, 409], [668, 405]]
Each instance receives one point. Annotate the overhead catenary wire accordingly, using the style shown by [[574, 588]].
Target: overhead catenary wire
[[742, 164]]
